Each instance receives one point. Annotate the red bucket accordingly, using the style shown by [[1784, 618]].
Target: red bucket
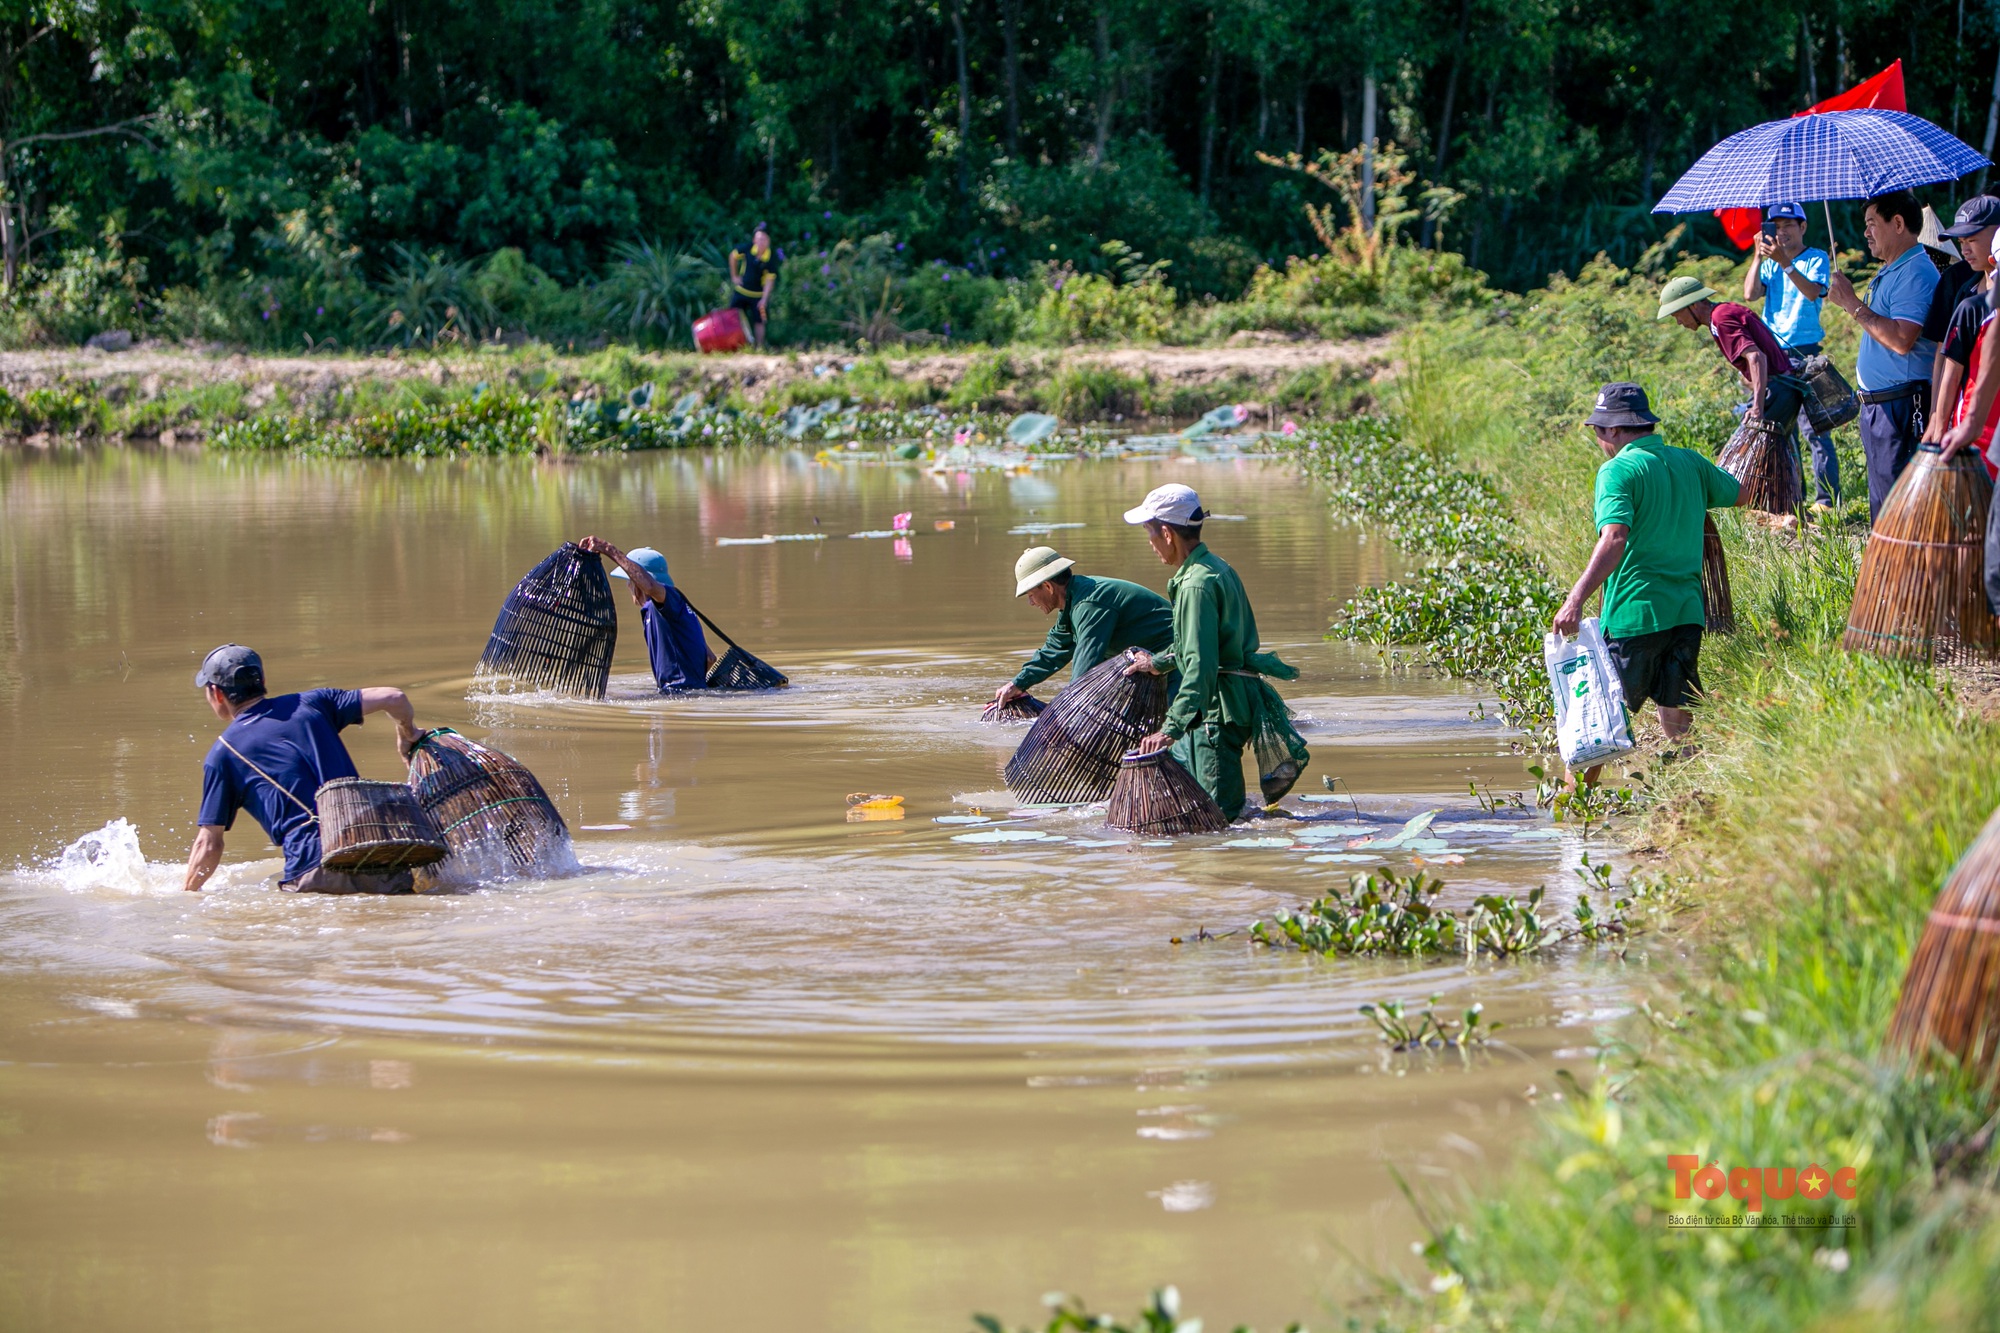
[[721, 331]]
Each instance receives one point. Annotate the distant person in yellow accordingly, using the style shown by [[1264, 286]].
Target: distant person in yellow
[[753, 275]]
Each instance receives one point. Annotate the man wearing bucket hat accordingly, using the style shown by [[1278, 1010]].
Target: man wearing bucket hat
[[1215, 711], [1651, 500], [675, 645], [1096, 618], [1790, 277], [1745, 342], [272, 758]]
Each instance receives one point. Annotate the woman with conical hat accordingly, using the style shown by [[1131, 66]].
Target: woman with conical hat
[[1096, 618]]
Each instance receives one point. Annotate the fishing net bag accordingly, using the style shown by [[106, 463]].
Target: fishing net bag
[[1718, 604], [1950, 1001], [1281, 752], [1763, 456], [1024, 709], [739, 668], [1921, 593], [557, 629], [1830, 401], [1155, 796], [493, 813], [1073, 750]]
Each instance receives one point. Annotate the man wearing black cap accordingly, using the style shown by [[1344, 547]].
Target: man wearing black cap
[[272, 759], [753, 275], [1651, 500]]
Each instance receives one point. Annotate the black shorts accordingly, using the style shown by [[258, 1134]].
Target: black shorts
[[1664, 666], [748, 305]]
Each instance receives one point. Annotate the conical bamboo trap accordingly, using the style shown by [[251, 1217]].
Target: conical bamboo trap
[[1717, 604], [1764, 459], [740, 669], [556, 630], [1154, 796], [1921, 594], [1024, 709], [1073, 750], [1951, 992], [495, 817]]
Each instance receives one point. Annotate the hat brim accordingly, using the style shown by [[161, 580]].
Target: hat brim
[[1035, 580], [1620, 419], [1963, 230], [1668, 309]]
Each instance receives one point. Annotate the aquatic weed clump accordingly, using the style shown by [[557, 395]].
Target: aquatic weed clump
[[1481, 608], [489, 424], [1383, 913]]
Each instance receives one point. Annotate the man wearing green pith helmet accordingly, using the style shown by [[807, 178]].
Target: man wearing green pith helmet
[[1096, 618]]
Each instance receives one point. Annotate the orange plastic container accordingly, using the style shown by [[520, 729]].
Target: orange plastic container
[[721, 331]]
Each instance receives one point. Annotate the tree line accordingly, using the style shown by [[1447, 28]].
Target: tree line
[[227, 141]]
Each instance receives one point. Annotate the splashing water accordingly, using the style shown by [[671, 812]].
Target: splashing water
[[111, 859]]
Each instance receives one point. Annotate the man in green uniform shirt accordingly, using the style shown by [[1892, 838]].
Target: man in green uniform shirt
[[1651, 500], [1215, 638], [1095, 618]]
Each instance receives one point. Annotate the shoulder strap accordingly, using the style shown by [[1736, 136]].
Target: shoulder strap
[[710, 623], [311, 813]]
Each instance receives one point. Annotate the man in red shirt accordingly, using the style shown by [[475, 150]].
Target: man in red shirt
[[1745, 343]]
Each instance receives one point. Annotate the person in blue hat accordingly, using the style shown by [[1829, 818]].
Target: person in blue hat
[[674, 641], [1790, 277]]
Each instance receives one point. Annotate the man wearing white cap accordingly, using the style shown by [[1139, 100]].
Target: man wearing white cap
[[1096, 618], [1215, 640]]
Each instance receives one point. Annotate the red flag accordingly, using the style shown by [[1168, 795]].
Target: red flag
[[1884, 92]]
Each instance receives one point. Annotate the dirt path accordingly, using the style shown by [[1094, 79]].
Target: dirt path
[[150, 368]]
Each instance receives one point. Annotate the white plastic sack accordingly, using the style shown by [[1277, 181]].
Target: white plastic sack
[[1591, 722]]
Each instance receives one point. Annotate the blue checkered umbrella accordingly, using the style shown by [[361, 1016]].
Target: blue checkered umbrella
[[1831, 155]]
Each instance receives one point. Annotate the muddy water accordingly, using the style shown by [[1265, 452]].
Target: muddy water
[[757, 1066]]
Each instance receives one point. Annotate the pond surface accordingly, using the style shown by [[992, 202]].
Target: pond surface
[[757, 1067]]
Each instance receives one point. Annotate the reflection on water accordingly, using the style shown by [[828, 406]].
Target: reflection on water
[[914, 1075]]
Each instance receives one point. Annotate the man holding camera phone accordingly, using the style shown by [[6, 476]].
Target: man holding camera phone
[[1791, 277]]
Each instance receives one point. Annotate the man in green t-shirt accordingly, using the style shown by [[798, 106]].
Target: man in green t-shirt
[[1651, 500], [1096, 618]]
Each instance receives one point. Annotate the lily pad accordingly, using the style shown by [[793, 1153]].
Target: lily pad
[[962, 819], [1329, 832], [1482, 826], [1006, 835], [1097, 842], [1340, 858], [1259, 842], [1540, 833]]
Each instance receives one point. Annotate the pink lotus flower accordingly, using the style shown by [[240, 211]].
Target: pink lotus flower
[[962, 439], [1289, 428], [900, 522]]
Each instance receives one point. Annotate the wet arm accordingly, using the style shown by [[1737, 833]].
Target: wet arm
[[203, 858], [387, 699]]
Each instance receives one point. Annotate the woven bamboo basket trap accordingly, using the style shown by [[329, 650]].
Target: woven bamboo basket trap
[[1155, 796], [1763, 458], [1921, 594], [557, 630], [373, 826], [492, 812], [1024, 709], [1718, 605], [1072, 752], [1951, 992]]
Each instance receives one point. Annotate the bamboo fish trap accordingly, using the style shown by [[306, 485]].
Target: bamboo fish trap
[[1156, 797], [1073, 750], [1921, 593], [492, 812], [1717, 605], [1764, 459], [1951, 992], [740, 669], [557, 629], [1024, 709], [375, 826]]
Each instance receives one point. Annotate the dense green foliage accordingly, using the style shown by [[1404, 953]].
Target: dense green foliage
[[334, 171]]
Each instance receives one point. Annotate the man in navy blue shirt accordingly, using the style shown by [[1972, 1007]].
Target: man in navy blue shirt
[[680, 654], [273, 757]]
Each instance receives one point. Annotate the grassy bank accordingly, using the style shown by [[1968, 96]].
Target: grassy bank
[[484, 400], [1830, 795]]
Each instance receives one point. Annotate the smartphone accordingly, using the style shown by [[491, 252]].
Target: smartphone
[[1770, 230]]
